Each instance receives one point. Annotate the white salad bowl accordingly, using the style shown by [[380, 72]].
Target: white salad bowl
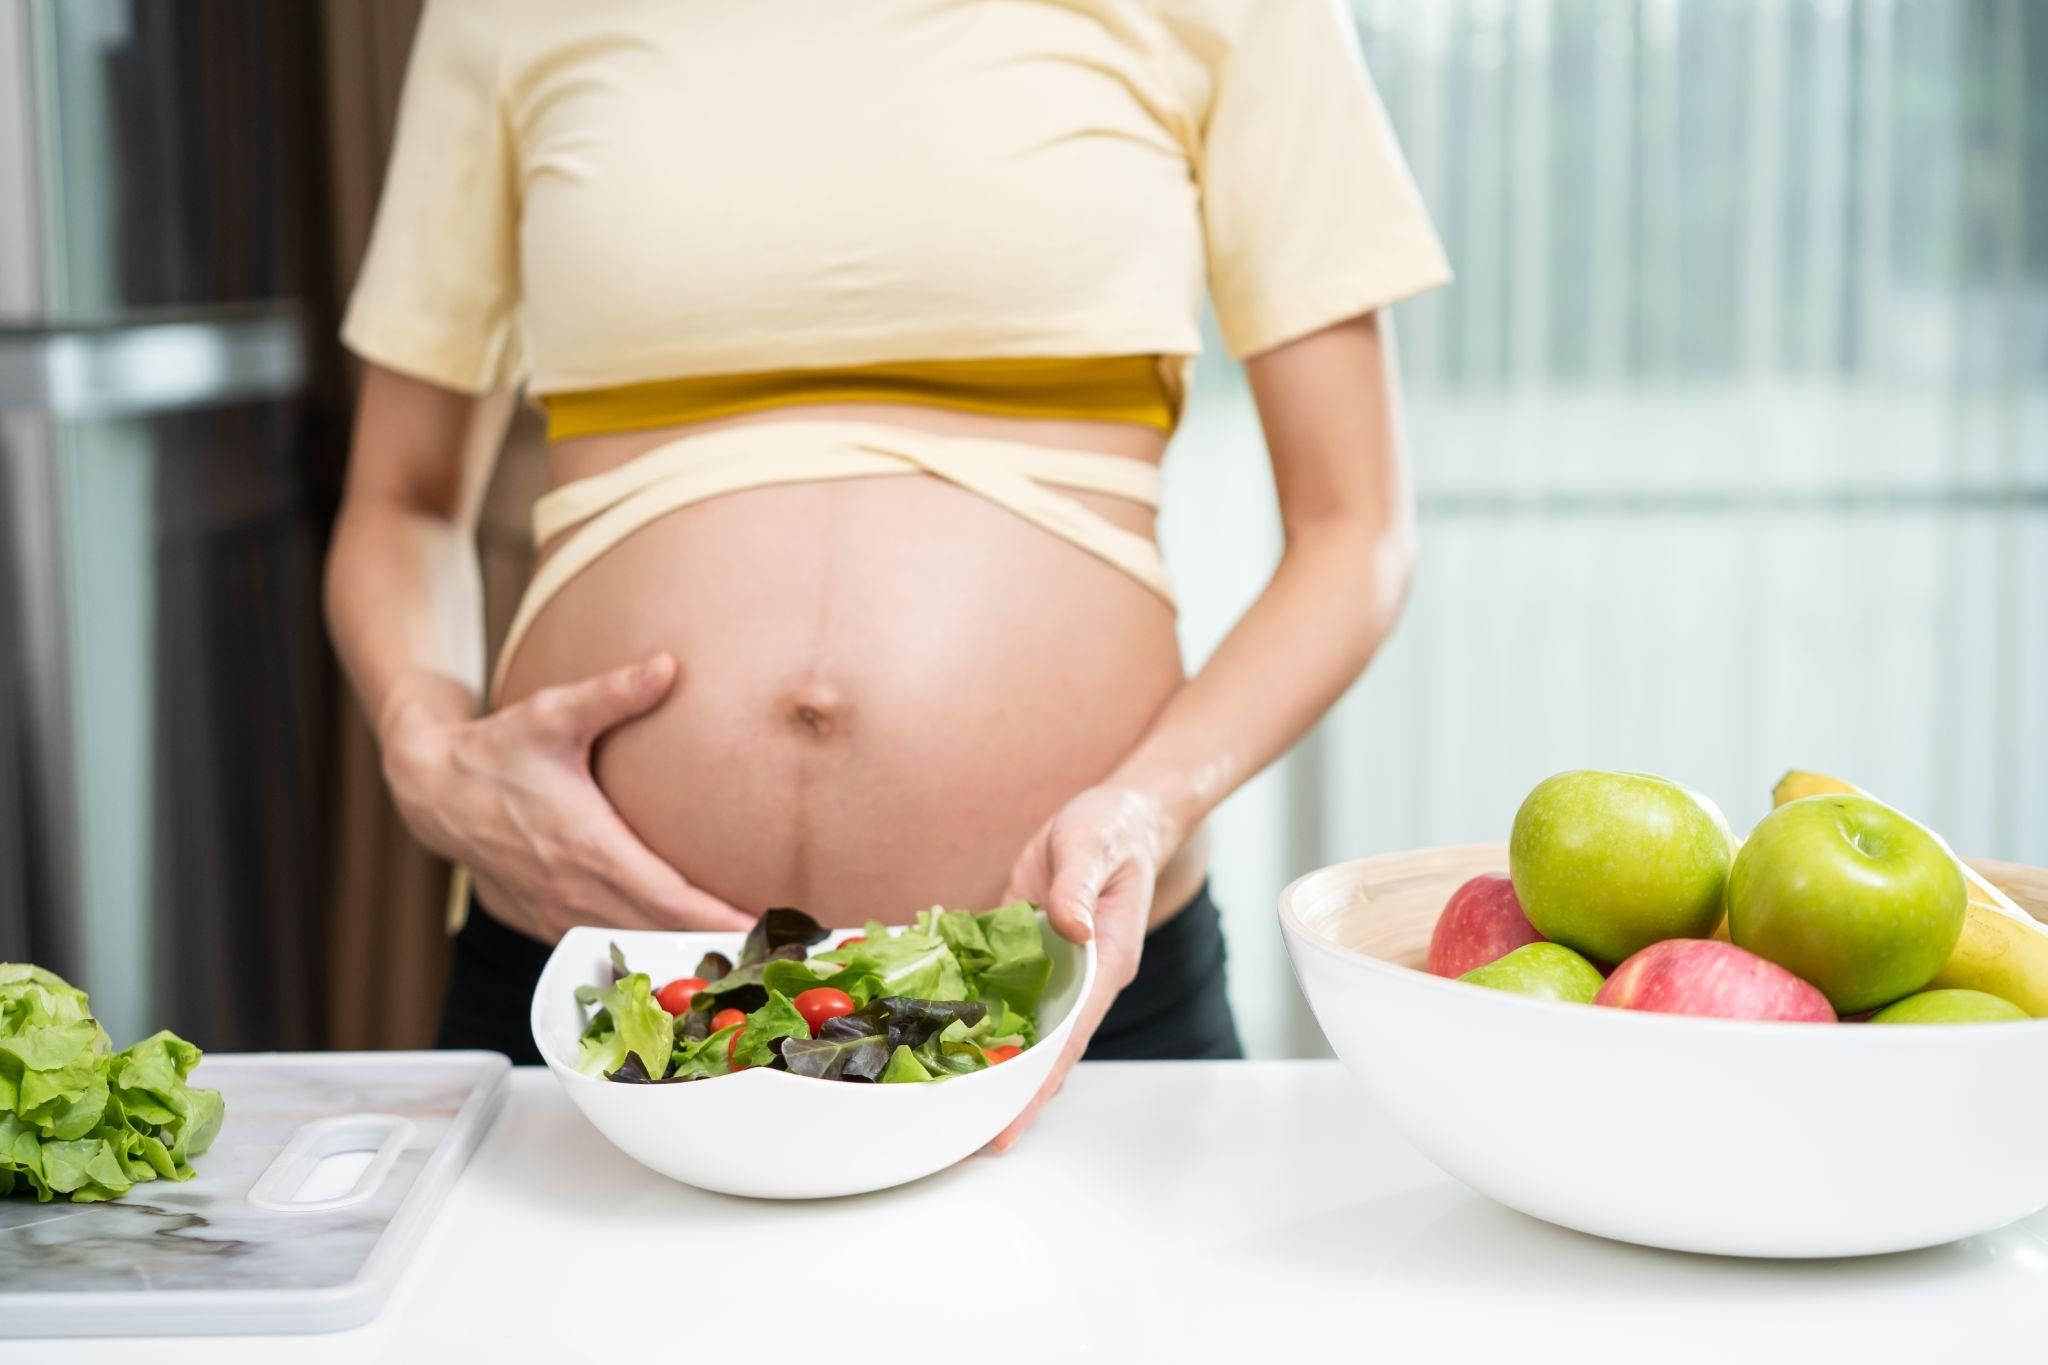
[[1742, 1138], [755, 1132]]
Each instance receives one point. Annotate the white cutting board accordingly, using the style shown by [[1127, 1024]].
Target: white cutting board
[[247, 1245]]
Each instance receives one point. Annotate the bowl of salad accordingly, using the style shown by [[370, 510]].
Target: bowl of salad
[[913, 1045]]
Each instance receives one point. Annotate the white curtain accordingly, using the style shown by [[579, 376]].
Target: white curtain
[[1732, 435]]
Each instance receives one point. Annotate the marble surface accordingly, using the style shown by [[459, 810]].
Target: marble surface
[[203, 1235], [1185, 1212]]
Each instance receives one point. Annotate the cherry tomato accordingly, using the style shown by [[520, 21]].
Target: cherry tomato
[[820, 1003], [732, 1043], [849, 942], [726, 1019], [1001, 1054], [675, 996]]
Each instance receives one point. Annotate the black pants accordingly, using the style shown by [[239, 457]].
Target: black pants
[[1175, 1009]]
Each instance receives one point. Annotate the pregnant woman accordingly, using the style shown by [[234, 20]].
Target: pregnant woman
[[860, 330]]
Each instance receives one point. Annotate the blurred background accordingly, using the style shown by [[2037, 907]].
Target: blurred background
[[1732, 443]]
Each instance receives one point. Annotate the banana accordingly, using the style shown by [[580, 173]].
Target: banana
[[1999, 955], [2003, 949], [1799, 782]]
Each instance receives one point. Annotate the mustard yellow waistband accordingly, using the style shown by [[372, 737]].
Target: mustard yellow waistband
[[1132, 388]]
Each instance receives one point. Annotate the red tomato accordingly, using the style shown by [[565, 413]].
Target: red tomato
[[820, 1003], [726, 1019], [675, 996], [732, 1043], [1001, 1054], [849, 942]]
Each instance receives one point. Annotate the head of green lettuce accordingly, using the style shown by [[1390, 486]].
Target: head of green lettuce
[[78, 1119]]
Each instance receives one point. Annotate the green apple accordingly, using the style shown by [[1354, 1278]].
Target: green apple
[[1548, 971], [1609, 863], [1849, 894], [1949, 1007]]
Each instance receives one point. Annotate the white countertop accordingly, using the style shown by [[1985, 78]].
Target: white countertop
[[1187, 1211]]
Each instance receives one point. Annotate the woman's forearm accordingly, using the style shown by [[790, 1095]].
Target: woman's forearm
[[404, 590], [1330, 604], [1330, 404], [405, 607]]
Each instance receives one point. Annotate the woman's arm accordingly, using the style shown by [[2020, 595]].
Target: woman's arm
[[1331, 410], [404, 595], [509, 794], [1330, 406]]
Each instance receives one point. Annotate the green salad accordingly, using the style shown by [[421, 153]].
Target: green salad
[[77, 1118], [955, 992]]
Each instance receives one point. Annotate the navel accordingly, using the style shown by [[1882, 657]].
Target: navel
[[816, 708]]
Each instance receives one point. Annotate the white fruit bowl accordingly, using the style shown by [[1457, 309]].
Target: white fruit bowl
[[773, 1135], [1745, 1139]]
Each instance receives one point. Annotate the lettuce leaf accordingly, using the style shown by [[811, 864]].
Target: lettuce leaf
[[705, 1057], [741, 988], [777, 929], [618, 1057], [776, 1019], [1005, 1025], [910, 1022], [630, 1072], [79, 1120], [913, 962], [938, 1037], [794, 978], [951, 1051], [857, 1058], [633, 1023], [1001, 952], [904, 1066], [600, 1051]]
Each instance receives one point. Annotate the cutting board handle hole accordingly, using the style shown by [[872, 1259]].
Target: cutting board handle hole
[[335, 1175], [332, 1163]]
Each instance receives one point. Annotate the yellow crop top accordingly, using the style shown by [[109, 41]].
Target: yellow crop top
[[616, 193]]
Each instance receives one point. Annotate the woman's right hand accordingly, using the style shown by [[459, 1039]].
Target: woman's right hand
[[511, 796]]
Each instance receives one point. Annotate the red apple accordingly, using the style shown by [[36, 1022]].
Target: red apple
[[1707, 976], [1481, 922]]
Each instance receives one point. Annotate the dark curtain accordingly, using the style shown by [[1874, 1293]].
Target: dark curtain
[[244, 689], [220, 173]]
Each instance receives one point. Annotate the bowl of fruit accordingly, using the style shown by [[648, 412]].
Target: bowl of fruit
[[1825, 1039], [798, 1062]]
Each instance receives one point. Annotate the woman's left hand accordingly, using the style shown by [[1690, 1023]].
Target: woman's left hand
[[1092, 867]]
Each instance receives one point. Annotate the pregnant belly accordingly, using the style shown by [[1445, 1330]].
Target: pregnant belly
[[886, 686]]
